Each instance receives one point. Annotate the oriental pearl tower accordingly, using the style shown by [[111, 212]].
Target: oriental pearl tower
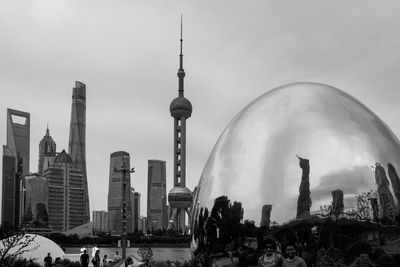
[[180, 198]]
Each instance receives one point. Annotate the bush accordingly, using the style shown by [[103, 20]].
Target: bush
[[363, 261], [25, 263]]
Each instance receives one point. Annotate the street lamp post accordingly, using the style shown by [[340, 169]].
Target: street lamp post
[[124, 170]]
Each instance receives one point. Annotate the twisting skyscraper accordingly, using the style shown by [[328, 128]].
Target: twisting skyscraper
[[179, 197], [77, 137]]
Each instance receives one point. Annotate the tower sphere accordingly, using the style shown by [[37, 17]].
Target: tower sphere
[[254, 160], [180, 107], [180, 197]]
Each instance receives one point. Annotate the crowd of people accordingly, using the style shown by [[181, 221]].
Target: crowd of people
[[96, 259], [85, 259]]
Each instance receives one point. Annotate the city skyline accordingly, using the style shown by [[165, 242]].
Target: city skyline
[[127, 55]]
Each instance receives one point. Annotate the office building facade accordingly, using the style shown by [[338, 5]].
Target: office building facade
[[34, 201], [66, 200], [157, 216]]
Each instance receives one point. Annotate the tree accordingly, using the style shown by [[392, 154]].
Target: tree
[[13, 244]]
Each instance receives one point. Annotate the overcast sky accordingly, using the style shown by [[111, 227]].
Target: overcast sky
[[126, 52]]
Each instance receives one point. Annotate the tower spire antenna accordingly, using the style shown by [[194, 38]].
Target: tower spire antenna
[[181, 71], [181, 37]]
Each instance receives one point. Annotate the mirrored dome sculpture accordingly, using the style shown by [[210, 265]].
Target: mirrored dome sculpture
[[297, 151]]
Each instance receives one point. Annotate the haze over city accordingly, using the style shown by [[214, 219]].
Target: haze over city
[[127, 55]]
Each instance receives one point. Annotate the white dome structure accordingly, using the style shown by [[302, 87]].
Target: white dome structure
[[37, 249]]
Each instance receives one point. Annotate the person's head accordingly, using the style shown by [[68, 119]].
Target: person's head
[[116, 252], [105, 256], [270, 246], [291, 250], [128, 261], [84, 251], [97, 252]]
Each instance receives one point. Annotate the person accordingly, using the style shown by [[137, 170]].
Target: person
[[105, 262], [292, 260], [84, 259], [271, 258], [128, 262], [116, 257], [48, 260], [96, 259], [57, 262]]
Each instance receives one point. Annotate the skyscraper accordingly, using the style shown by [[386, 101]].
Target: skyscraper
[[77, 137], [118, 160], [180, 197], [15, 163], [136, 210], [157, 217], [47, 149], [66, 202]]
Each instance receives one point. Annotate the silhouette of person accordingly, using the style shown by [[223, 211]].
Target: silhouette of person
[[105, 262], [84, 259], [48, 260], [96, 259]]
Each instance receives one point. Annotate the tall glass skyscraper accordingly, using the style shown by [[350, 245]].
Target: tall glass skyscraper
[[157, 217], [119, 160], [15, 163], [77, 138]]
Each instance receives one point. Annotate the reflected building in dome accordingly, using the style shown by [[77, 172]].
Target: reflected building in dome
[[345, 150]]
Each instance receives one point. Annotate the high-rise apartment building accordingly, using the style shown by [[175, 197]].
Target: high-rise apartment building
[[100, 221], [66, 201], [15, 163], [77, 139], [157, 217], [119, 161], [47, 152]]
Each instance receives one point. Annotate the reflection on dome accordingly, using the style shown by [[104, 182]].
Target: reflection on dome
[[337, 140]]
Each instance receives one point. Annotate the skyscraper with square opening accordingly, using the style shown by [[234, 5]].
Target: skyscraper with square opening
[[15, 163]]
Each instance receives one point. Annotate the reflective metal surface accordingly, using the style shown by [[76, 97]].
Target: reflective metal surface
[[254, 161]]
